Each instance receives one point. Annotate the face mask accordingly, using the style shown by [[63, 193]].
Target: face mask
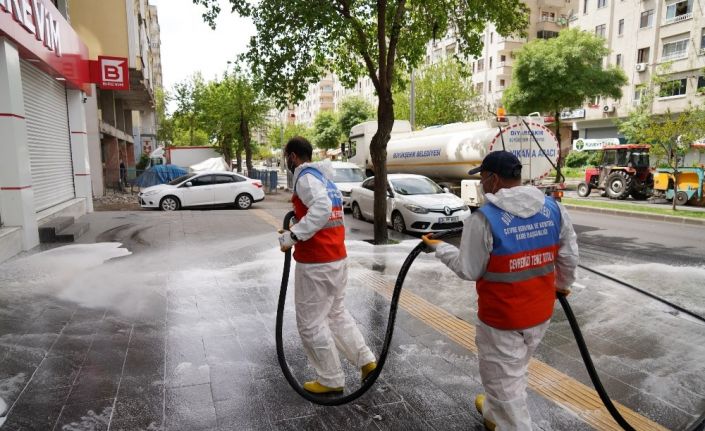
[[482, 184], [290, 164]]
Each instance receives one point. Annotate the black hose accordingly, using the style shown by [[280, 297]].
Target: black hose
[[590, 366], [336, 400]]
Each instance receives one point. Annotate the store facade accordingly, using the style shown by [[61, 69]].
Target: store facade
[[44, 82]]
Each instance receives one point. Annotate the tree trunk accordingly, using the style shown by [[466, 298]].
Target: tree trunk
[[227, 149], [238, 160], [675, 185], [246, 142], [378, 153]]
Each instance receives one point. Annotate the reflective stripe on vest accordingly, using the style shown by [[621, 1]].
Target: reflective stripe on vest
[[328, 244], [518, 288]]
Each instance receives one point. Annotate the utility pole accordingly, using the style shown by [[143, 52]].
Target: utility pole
[[412, 103]]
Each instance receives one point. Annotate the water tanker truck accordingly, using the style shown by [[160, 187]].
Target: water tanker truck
[[446, 153]]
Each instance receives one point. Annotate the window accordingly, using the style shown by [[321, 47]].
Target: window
[[620, 28], [489, 86], [585, 6], [675, 50], [548, 16], [479, 87], [642, 55], [673, 88], [204, 180], [601, 3], [369, 184], [679, 11], [647, 19], [490, 62], [639, 91], [600, 30], [701, 84], [491, 37], [618, 61], [702, 38], [501, 83], [481, 65], [473, 67], [546, 34], [503, 57], [224, 179]]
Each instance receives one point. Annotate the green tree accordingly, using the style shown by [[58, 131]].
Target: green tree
[[326, 131], [187, 95], [443, 95], [297, 42], [165, 124], [353, 110], [560, 73], [274, 137]]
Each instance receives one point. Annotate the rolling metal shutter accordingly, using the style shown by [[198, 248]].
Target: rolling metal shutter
[[48, 138]]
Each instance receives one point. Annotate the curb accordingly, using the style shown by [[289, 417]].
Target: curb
[[627, 213]]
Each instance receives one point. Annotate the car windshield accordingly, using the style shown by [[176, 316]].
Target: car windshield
[[415, 186], [348, 175], [181, 179]]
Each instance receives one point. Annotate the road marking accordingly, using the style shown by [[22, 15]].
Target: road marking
[[554, 385], [267, 218]]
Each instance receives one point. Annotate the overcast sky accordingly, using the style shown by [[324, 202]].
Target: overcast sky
[[189, 45]]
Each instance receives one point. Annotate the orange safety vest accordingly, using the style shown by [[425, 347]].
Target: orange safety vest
[[518, 288], [328, 244]]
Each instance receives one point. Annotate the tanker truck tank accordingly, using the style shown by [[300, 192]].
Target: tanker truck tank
[[446, 153]]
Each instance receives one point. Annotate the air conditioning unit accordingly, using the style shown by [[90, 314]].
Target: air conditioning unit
[[607, 109], [641, 67]]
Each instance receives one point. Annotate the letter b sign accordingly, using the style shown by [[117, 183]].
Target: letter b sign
[[114, 73]]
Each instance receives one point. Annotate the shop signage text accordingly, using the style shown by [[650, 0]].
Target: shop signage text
[[37, 20], [110, 73], [593, 144]]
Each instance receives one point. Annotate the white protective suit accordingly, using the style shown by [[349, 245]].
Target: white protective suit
[[504, 355], [321, 317]]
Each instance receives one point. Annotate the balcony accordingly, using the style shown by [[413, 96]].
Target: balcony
[[678, 18], [509, 44]]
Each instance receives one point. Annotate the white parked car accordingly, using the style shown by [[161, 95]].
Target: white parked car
[[201, 189], [346, 176], [415, 203]]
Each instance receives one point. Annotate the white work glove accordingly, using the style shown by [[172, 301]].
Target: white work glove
[[286, 241]]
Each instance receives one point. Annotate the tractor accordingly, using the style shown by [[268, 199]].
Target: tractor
[[624, 170]]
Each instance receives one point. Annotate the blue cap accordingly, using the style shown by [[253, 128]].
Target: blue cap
[[502, 163]]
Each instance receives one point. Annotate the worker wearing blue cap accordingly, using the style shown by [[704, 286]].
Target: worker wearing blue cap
[[519, 248]]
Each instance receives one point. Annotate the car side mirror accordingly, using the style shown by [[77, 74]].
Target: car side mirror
[[188, 184], [446, 189]]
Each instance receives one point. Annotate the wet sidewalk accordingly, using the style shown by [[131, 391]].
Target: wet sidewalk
[[179, 335]]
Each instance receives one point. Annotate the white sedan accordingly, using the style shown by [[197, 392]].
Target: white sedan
[[414, 203], [201, 189]]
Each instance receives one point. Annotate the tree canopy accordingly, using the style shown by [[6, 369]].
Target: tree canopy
[[297, 42], [353, 110], [326, 131], [443, 95], [563, 72]]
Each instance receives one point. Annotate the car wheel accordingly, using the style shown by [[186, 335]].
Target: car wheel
[[357, 212], [169, 203], [398, 223], [243, 201]]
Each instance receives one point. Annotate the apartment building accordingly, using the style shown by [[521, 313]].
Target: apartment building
[[643, 36], [320, 97], [122, 28]]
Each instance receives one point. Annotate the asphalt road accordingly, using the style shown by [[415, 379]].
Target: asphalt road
[[615, 239]]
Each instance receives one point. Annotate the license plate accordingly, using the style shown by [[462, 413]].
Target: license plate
[[447, 219]]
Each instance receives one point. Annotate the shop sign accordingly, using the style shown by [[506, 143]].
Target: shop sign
[[111, 73], [593, 144], [42, 33], [574, 114]]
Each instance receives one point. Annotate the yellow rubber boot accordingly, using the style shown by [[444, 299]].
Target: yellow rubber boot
[[479, 404], [316, 388], [367, 369]]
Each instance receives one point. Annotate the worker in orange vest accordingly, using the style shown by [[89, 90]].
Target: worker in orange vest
[[520, 249], [321, 273]]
